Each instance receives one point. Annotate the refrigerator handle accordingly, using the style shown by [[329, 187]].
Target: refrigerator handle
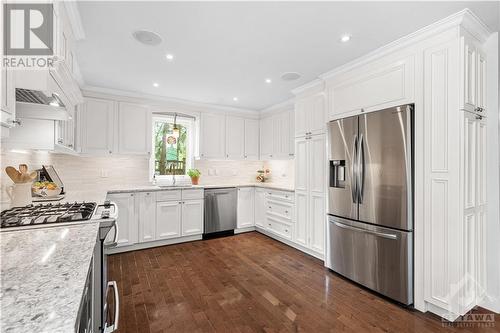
[[361, 168], [353, 169]]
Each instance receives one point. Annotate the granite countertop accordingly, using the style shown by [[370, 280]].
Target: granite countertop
[[43, 277], [152, 188]]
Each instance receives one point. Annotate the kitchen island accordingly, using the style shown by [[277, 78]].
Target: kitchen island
[[43, 277]]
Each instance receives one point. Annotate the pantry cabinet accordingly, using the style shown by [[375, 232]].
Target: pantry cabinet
[[310, 192], [134, 129], [473, 75], [97, 126], [246, 204]]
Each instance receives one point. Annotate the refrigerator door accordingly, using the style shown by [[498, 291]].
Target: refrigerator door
[[342, 190], [375, 257], [385, 168]]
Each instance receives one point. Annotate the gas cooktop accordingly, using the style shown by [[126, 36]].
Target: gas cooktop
[[42, 214]]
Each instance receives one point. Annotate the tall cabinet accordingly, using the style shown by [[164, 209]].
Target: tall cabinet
[[310, 170]]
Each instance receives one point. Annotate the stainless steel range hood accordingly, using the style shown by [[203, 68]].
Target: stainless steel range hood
[[35, 104]]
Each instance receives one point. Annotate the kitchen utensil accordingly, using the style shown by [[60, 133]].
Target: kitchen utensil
[[13, 174], [19, 194], [23, 168]]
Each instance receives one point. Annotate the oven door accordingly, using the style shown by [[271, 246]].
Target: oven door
[[111, 299]]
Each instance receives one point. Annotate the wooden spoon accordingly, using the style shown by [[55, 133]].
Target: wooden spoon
[[13, 174]]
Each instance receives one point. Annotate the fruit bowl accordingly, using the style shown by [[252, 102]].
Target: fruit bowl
[[46, 189]]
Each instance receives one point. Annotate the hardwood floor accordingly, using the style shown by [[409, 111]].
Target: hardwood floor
[[251, 283]]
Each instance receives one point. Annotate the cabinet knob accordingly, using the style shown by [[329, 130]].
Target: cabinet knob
[[110, 151]]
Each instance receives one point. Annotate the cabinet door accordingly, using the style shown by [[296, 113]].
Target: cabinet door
[[266, 138], [317, 124], [134, 129], [97, 126], [317, 223], [128, 228], [481, 82], [168, 219], [468, 99], [260, 207], [301, 117], [251, 139], [8, 97], [192, 217], [301, 164], [147, 216], [235, 138], [213, 136], [246, 201], [291, 134], [317, 163], [301, 217], [283, 135]]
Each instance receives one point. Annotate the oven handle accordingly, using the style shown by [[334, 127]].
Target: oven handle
[[115, 215], [114, 327], [114, 243]]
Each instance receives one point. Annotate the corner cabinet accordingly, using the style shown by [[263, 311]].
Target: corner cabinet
[[276, 135]]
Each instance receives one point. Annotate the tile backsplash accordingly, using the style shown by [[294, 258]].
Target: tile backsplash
[[85, 174]]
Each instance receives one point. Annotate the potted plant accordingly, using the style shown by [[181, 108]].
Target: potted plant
[[195, 175]]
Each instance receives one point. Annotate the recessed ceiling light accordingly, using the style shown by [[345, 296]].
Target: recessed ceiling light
[[235, 99], [147, 37], [290, 76], [169, 57], [345, 38], [268, 81], [156, 85]]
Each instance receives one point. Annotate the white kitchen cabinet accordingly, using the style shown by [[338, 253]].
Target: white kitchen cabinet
[[192, 217], [251, 139], [168, 219], [246, 207], [310, 175], [266, 138], [310, 115], [147, 216], [127, 218], [213, 136], [473, 78], [134, 129], [373, 89], [260, 207], [235, 138], [97, 126], [8, 98]]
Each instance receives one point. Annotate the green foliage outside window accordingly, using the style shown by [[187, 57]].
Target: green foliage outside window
[[170, 151]]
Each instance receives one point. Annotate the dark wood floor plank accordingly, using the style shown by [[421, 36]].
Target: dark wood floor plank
[[252, 283]]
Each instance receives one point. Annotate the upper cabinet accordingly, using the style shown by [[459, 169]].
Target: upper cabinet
[[310, 115], [473, 69], [97, 128], [229, 137], [8, 98], [373, 88], [134, 129], [276, 135], [213, 136]]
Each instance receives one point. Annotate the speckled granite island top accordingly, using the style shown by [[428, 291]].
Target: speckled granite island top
[[43, 274]]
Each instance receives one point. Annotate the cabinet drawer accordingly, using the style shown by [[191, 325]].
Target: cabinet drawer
[[279, 195], [282, 209], [170, 195], [279, 228], [192, 194]]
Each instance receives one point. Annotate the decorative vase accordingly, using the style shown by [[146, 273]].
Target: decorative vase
[[194, 180]]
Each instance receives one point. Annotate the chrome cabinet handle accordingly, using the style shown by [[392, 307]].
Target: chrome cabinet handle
[[376, 233], [353, 171], [361, 169], [114, 327]]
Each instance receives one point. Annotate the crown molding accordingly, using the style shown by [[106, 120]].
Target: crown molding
[[155, 100], [465, 18], [279, 107], [314, 85], [74, 19]]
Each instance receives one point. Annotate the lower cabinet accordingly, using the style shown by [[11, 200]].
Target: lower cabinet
[[144, 217], [260, 207], [246, 204]]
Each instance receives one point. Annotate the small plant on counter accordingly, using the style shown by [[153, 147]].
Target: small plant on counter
[[195, 175]]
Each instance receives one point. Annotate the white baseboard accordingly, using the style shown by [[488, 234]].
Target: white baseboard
[[163, 242], [241, 230]]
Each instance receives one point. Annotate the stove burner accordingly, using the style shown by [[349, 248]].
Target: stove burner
[[47, 213]]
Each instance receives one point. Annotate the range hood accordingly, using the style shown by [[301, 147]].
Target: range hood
[[35, 104]]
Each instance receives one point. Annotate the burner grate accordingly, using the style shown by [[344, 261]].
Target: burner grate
[[47, 213]]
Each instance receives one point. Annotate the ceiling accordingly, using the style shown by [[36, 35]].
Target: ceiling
[[224, 50]]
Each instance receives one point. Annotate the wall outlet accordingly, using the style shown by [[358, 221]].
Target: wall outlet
[[104, 173]]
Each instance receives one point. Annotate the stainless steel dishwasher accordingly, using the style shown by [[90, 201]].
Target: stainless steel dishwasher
[[220, 211]]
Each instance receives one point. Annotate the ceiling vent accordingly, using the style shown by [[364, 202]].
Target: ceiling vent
[[290, 76], [147, 37]]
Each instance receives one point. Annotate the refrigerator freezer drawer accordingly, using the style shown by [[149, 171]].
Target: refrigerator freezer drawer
[[375, 257]]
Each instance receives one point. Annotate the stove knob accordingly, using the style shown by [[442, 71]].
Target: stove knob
[[107, 204], [105, 214]]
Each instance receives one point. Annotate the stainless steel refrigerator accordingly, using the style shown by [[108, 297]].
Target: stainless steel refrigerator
[[370, 201]]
